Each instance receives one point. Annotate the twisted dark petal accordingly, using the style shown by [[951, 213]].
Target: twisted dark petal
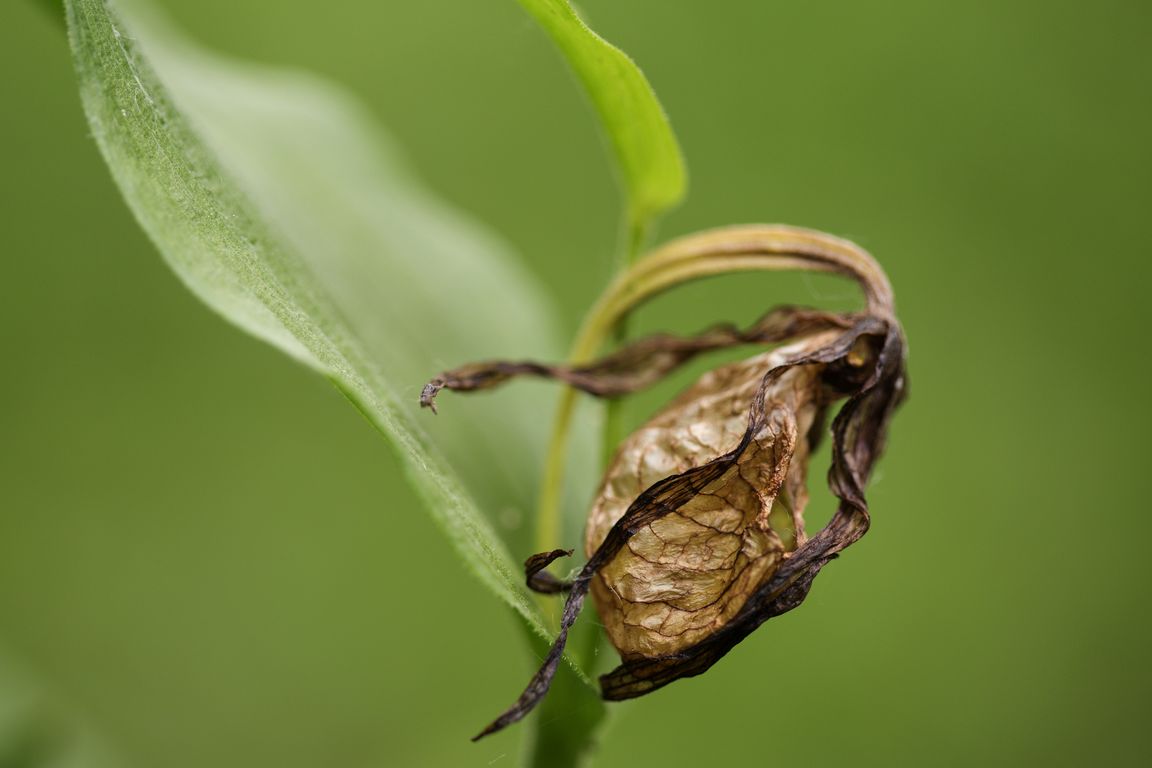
[[641, 363], [538, 579], [540, 682]]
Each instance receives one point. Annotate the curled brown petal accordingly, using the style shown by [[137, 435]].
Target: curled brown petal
[[538, 579], [641, 363]]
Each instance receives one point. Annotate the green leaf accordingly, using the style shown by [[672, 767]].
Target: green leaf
[[271, 196], [645, 147]]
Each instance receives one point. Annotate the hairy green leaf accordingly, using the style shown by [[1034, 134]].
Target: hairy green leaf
[[645, 147], [270, 195]]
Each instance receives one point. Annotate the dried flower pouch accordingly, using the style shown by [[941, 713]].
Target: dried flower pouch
[[697, 536]]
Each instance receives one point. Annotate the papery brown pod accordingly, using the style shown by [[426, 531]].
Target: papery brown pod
[[697, 534], [688, 573]]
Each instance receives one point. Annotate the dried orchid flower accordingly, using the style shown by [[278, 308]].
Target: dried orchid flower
[[696, 536]]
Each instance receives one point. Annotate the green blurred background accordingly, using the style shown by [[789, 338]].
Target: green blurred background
[[213, 559]]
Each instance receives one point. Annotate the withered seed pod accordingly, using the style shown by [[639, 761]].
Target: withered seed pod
[[696, 536], [685, 575]]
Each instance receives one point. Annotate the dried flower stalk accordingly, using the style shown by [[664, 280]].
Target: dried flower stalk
[[697, 534]]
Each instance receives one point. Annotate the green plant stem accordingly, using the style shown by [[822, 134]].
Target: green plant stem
[[635, 238], [614, 412], [636, 233], [548, 518], [552, 485]]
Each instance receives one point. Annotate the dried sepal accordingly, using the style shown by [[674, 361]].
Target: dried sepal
[[641, 363]]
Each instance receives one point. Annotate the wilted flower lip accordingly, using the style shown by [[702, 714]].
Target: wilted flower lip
[[863, 361]]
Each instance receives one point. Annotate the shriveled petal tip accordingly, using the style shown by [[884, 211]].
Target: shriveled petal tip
[[428, 395], [542, 680], [538, 579]]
